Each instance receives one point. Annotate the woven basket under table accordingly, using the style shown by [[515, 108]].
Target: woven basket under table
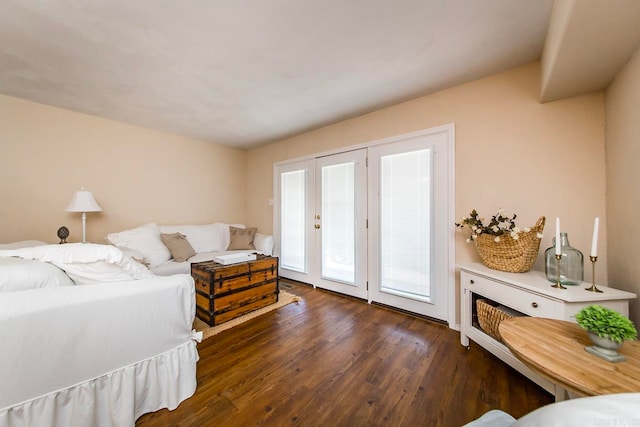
[[489, 318], [514, 256]]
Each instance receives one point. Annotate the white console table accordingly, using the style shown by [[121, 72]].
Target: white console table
[[531, 294]]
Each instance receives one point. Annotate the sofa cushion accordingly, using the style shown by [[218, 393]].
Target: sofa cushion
[[144, 239], [241, 238], [173, 267], [263, 243], [202, 238], [178, 246]]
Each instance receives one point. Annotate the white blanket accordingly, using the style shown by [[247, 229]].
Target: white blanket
[[85, 262], [17, 274], [66, 351]]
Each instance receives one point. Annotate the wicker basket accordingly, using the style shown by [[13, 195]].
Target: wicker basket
[[514, 256], [489, 318]]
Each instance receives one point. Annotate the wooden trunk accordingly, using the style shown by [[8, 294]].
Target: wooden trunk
[[224, 292]]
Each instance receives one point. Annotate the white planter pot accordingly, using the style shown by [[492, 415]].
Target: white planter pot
[[604, 348]]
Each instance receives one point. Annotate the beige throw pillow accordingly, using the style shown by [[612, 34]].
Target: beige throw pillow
[[178, 245], [241, 238]]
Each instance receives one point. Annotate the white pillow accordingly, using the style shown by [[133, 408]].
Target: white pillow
[[86, 262], [144, 239], [263, 243], [134, 255], [202, 238], [606, 410], [17, 274], [493, 418]]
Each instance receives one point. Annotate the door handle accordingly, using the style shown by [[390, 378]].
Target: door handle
[[317, 226]]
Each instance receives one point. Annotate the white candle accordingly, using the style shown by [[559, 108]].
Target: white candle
[[558, 250], [594, 240]]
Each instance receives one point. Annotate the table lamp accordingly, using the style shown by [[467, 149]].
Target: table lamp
[[83, 201]]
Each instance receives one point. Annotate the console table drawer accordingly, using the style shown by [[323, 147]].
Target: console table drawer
[[515, 298]]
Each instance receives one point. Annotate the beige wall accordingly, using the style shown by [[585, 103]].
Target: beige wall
[[137, 175], [623, 175], [511, 151]]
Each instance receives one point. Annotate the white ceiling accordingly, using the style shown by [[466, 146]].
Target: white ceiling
[[247, 72], [243, 73]]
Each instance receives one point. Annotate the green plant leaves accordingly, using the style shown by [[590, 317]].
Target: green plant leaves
[[606, 323]]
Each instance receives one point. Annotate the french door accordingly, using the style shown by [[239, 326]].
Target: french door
[[375, 223], [322, 204], [410, 215], [340, 223]]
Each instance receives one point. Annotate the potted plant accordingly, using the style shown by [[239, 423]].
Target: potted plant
[[607, 329]]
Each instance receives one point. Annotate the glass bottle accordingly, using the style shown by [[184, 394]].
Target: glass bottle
[[571, 263]]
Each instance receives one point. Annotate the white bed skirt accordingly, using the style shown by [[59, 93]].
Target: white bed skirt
[[114, 399]]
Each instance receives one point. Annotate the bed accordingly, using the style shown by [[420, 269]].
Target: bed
[[96, 354]]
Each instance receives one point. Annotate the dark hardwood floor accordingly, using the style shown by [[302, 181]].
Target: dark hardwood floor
[[334, 361]]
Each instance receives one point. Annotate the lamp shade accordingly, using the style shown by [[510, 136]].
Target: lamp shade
[[83, 201]]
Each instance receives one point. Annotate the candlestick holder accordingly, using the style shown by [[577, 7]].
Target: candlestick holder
[[593, 287], [558, 285]]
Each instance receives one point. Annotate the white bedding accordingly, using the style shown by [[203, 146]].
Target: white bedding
[[98, 355], [17, 274], [85, 262]]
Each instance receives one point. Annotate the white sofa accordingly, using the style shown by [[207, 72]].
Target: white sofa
[[100, 350], [209, 240]]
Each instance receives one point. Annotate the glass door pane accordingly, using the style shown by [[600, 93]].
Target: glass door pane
[[292, 220], [410, 217], [405, 223], [338, 223]]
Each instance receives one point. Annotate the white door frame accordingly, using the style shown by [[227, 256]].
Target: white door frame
[[449, 129]]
